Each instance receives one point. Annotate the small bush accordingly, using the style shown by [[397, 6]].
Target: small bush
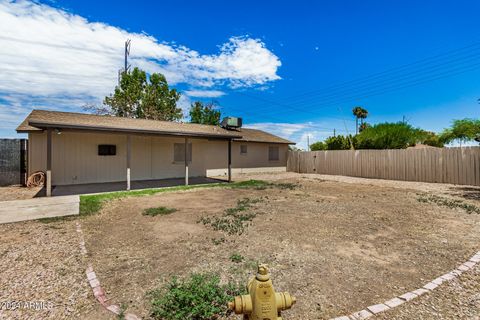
[[158, 211], [236, 257], [199, 297]]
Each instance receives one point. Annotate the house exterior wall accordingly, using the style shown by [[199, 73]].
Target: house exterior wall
[[75, 158]]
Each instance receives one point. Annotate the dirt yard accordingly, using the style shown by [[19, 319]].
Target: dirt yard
[[19, 193], [338, 245], [41, 263]]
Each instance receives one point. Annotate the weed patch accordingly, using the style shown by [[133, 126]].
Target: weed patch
[[262, 185], [234, 220], [218, 241], [236, 257], [450, 203], [198, 297], [158, 211]]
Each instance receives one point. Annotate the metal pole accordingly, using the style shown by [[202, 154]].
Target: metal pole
[[186, 161], [129, 147], [49, 163], [229, 160], [23, 162]]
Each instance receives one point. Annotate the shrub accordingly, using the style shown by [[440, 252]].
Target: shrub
[[317, 146], [158, 211], [199, 297], [433, 140], [386, 135], [339, 142]]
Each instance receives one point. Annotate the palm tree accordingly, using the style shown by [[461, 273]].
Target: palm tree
[[359, 113], [363, 116]]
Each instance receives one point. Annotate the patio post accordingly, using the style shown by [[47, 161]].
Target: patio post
[[49, 163], [229, 160], [129, 147], [186, 161]]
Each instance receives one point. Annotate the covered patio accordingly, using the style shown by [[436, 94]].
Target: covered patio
[[83, 153], [78, 189]]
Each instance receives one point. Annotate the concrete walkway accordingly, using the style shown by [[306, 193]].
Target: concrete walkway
[[37, 208]]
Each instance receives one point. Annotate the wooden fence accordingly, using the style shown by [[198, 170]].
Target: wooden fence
[[444, 165]]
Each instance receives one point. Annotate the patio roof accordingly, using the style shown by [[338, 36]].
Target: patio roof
[[39, 120]]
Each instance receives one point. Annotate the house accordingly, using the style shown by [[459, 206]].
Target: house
[[76, 148]]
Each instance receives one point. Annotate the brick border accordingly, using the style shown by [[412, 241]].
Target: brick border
[[97, 289], [366, 313], [370, 311]]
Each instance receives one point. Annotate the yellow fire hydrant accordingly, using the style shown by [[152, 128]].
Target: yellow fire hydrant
[[262, 302]]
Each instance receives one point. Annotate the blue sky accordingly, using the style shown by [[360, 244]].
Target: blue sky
[[295, 70]]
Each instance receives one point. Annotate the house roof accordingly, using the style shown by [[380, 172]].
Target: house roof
[[39, 120], [255, 135]]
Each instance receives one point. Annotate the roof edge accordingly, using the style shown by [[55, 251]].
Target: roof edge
[[116, 129]]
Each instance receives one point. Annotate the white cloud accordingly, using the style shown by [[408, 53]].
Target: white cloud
[[48, 53], [184, 103], [295, 132], [204, 93]]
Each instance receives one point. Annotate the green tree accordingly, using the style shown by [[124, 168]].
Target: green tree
[[204, 113], [462, 130], [363, 126], [433, 140], [317, 146], [340, 142], [137, 96], [386, 135], [359, 113]]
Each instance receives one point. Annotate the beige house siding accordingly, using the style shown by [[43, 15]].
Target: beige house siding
[[75, 159]]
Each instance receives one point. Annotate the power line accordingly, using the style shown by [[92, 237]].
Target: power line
[[374, 90], [333, 97], [393, 70], [267, 116]]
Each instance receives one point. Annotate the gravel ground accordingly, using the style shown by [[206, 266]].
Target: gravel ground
[[468, 192], [457, 299], [41, 263]]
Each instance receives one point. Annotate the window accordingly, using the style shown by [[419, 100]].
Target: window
[[273, 154], [107, 149], [179, 152], [243, 149]]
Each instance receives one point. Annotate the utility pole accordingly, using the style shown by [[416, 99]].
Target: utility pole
[[334, 133], [127, 53], [308, 142]]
